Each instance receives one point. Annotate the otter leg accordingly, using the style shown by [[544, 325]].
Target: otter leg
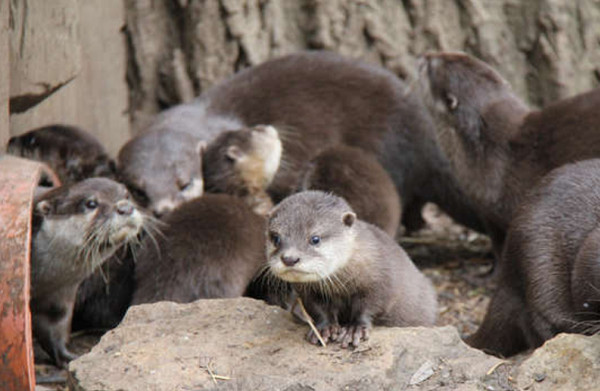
[[504, 328], [51, 317]]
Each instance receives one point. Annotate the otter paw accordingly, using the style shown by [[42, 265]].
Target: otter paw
[[352, 335], [328, 333]]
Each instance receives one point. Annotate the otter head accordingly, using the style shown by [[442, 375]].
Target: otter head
[[85, 222], [243, 160], [162, 169], [310, 237], [72, 153], [476, 115]]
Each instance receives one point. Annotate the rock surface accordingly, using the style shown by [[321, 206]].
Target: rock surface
[[167, 346]]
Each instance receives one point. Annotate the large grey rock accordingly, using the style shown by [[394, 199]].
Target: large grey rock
[[169, 346], [567, 362]]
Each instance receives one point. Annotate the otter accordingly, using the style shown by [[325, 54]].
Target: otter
[[319, 100], [162, 169], [75, 229], [357, 177], [348, 273], [72, 153], [243, 163], [211, 247], [550, 281], [497, 147]]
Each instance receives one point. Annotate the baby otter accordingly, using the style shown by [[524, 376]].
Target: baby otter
[[550, 279], [497, 147], [349, 274], [357, 177], [211, 247], [243, 163], [323, 100], [75, 229], [157, 157], [72, 153]]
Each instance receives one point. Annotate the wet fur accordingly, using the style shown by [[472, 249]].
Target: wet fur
[[211, 247], [72, 153], [69, 241], [550, 279], [498, 148], [326, 100], [357, 177]]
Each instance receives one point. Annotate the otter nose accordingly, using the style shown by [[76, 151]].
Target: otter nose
[[289, 261], [125, 208]]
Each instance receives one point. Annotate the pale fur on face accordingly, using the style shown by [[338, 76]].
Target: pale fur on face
[[296, 222]]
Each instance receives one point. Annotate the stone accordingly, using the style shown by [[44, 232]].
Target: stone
[[4, 74], [566, 362], [247, 344]]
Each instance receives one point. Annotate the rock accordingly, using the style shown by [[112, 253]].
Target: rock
[[566, 362], [249, 345]]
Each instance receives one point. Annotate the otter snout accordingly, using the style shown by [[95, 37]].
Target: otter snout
[[125, 208], [289, 261]]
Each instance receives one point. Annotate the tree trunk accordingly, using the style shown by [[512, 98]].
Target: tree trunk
[[547, 49]]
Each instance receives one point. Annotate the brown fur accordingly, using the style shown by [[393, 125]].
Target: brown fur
[[75, 229], [211, 247], [233, 163], [70, 152], [499, 148], [357, 177], [550, 279], [325, 100], [353, 277]]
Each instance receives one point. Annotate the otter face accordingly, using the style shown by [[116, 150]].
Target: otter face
[[458, 89], [87, 221], [310, 237], [242, 159], [162, 169]]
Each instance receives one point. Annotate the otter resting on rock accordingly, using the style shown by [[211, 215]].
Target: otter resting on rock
[[348, 273]]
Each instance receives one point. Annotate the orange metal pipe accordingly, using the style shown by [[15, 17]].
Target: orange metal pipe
[[18, 180]]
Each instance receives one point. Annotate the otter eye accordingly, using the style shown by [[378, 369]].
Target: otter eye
[[451, 101], [275, 239], [185, 186], [91, 204], [314, 240]]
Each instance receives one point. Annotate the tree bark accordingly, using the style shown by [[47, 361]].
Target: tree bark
[[547, 49]]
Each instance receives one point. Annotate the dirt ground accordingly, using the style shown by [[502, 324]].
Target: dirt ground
[[457, 260]]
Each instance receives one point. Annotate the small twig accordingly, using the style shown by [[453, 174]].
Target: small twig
[[214, 376], [492, 369], [310, 322]]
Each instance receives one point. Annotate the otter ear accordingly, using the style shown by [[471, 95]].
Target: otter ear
[[43, 207], [348, 219], [451, 101], [234, 153]]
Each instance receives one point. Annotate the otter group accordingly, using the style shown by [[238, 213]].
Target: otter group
[[296, 174]]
